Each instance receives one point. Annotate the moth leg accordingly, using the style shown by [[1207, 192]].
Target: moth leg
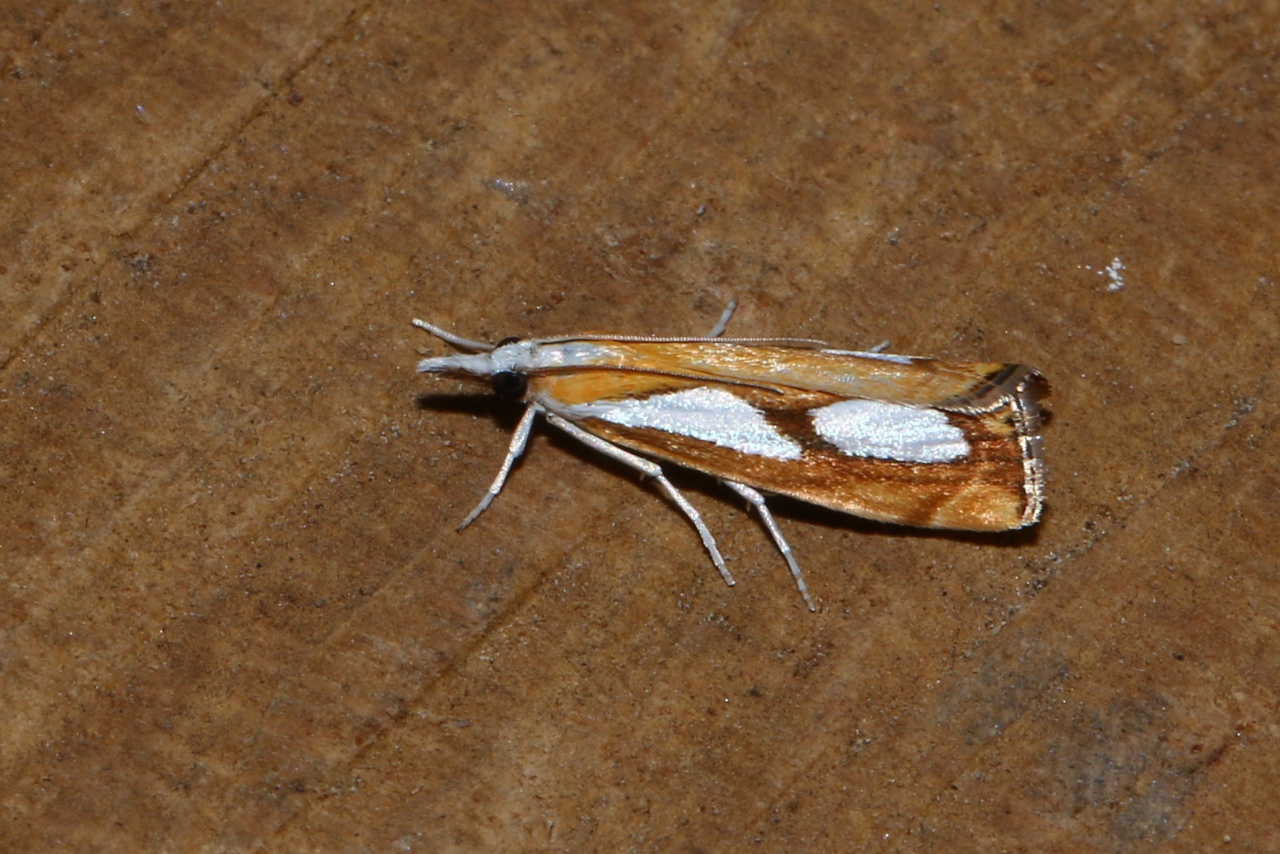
[[518, 440], [757, 501], [723, 323], [651, 469]]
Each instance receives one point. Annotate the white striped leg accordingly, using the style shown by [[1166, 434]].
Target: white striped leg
[[651, 469], [518, 440], [757, 500], [723, 323]]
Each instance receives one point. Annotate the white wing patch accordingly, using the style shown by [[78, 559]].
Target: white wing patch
[[890, 431], [711, 414]]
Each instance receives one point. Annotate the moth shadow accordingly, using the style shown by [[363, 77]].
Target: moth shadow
[[480, 405]]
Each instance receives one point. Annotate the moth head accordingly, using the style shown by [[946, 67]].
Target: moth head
[[505, 364], [509, 381]]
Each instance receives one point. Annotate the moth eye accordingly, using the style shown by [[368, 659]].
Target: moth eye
[[509, 385], [510, 339]]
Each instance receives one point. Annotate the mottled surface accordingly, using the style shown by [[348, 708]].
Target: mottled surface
[[235, 614]]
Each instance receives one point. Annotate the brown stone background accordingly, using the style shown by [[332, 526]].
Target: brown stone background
[[235, 613]]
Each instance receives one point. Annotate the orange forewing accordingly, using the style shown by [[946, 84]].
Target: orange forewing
[[996, 486], [893, 379]]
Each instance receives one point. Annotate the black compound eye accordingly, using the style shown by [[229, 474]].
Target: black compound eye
[[509, 385], [511, 339]]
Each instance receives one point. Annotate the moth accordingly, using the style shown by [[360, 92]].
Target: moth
[[901, 439]]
